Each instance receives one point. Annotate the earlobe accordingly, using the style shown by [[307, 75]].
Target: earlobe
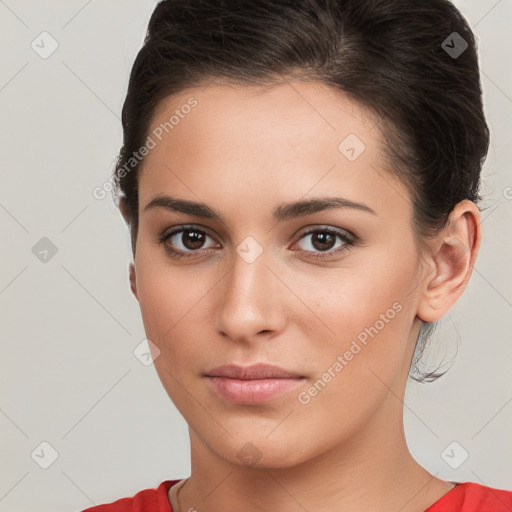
[[133, 280], [453, 259]]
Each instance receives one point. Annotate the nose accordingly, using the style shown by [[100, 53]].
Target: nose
[[250, 301]]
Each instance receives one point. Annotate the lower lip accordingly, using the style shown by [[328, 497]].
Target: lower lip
[[252, 391]]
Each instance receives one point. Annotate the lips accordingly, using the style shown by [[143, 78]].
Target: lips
[[254, 384], [256, 371]]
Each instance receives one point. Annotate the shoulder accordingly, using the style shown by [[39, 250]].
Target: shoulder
[[148, 500], [473, 497]]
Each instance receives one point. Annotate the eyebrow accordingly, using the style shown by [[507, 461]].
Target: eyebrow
[[281, 213]]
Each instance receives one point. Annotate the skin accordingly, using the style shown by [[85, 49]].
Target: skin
[[243, 151]]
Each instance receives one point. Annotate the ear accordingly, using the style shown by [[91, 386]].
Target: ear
[[451, 261], [133, 280]]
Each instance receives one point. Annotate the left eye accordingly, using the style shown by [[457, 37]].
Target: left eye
[[325, 240]]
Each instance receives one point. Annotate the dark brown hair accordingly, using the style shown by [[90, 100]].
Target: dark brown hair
[[399, 58]]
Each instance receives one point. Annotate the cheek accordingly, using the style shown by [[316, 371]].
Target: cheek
[[356, 301], [172, 302], [167, 295], [354, 372], [369, 315], [166, 306]]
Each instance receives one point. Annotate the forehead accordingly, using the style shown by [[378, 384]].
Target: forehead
[[287, 138], [295, 110]]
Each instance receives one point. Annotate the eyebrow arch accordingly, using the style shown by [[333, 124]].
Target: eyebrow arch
[[279, 214], [311, 206]]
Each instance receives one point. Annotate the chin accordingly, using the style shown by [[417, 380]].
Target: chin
[[260, 452]]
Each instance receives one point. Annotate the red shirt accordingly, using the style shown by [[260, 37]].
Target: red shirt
[[464, 497]]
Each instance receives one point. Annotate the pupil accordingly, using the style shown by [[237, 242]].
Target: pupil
[[323, 239], [192, 239]]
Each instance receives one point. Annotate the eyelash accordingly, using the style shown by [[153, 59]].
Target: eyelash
[[348, 242]]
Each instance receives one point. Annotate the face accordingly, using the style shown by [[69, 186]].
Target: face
[[276, 269]]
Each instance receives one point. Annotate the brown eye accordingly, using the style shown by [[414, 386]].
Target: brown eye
[[325, 242], [192, 239], [187, 241]]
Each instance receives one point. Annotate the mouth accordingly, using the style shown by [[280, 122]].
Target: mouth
[[254, 384]]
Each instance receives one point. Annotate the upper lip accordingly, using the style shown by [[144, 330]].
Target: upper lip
[[253, 372]]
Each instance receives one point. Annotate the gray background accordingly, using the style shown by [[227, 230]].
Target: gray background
[[69, 376]]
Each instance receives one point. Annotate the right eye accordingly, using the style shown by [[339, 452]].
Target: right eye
[[185, 242]]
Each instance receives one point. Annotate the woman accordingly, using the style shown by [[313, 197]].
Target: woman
[[301, 181]]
